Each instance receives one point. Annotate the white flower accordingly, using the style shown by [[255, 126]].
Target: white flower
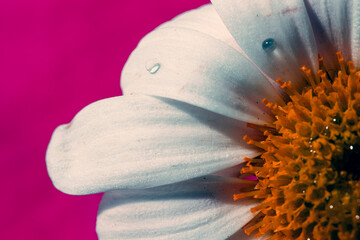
[[190, 88]]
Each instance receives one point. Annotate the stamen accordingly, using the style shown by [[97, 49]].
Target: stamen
[[309, 77], [256, 143], [341, 62], [244, 195], [287, 86], [262, 128], [352, 80]]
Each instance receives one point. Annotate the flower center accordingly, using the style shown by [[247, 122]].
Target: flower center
[[308, 176]]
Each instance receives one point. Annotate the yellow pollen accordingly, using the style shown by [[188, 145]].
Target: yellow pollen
[[308, 176]]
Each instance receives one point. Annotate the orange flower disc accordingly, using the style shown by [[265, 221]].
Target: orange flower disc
[[308, 175]]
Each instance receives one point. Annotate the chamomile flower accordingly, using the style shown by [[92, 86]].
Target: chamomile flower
[[268, 89]]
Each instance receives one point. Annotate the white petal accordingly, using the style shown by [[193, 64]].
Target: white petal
[[287, 22], [355, 32], [141, 141], [204, 20], [194, 59], [197, 209], [336, 27]]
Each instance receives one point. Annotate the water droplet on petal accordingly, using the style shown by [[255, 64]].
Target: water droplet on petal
[[152, 67], [269, 45]]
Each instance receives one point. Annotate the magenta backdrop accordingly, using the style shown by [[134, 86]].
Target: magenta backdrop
[[57, 56]]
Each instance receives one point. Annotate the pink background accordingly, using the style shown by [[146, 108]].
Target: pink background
[[57, 56]]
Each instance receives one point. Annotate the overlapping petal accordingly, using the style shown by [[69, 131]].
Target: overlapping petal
[[287, 22], [336, 27], [196, 209], [194, 59], [141, 141]]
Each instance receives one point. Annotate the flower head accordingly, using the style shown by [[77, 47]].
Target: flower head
[[172, 153]]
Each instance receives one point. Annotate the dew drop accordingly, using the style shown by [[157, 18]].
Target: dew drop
[[269, 45], [351, 147], [357, 217], [152, 67], [337, 119], [326, 131], [331, 206]]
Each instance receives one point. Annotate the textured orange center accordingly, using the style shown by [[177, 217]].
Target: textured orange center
[[308, 174]]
